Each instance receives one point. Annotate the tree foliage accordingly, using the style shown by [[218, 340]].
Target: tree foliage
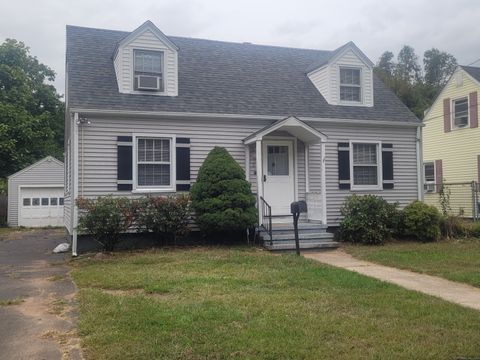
[[416, 89], [31, 110], [221, 197]]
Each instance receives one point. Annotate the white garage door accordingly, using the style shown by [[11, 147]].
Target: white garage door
[[41, 206]]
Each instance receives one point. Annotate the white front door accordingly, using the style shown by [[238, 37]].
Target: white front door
[[278, 175]]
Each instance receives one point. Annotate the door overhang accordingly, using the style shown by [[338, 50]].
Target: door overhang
[[294, 127]]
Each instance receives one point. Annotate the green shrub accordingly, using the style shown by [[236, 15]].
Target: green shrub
[[368, 219], [421, 221], [475, 229], [455, 227], [164, 215], [221, 197], [106, 218]]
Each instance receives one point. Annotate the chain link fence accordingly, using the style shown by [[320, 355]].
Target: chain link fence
[[459, 199]]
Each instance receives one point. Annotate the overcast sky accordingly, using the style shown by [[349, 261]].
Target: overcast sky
[[374, 25]]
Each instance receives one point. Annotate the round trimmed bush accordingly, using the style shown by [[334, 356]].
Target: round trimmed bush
[[221, 197], [421, 221], [367, 219]]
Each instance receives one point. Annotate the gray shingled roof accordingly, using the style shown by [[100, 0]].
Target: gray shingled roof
[[472, 71], [217, 77]]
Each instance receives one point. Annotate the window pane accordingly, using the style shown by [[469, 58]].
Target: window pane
[[350, 93], [364, 154], [429, 172], [277, 160], [26, 202], [461, 112], [350, 76], [365, 175], [54, 201], [36, 201], [141, 150], [44, 201], [162, 150], [153, 175], [60, 201], [148, 61]]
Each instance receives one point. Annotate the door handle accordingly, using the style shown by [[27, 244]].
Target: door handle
[[264, 178]]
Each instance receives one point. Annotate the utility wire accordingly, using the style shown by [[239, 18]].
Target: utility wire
[[474, 62]]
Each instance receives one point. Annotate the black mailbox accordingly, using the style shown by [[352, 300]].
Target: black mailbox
[[298, 207]]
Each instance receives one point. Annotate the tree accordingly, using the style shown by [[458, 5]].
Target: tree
[[439, 66], [407, 68], [385, 64], [221, 197], [31, 111]]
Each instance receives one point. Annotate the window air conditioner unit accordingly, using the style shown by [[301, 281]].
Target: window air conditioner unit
[[148, 82], [429, 188]]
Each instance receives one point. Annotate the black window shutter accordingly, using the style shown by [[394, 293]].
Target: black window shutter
[[344, 166], [182, 148], [124, 163], [387, 166]]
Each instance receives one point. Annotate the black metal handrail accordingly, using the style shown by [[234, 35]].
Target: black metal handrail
[[266, 210]]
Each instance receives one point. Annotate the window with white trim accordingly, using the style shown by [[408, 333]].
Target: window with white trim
[[350, 85], [365, 165], [154, 163], [148, 70], [460, 112], [429, 176]]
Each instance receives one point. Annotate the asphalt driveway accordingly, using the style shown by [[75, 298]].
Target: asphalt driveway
[[37, 304]]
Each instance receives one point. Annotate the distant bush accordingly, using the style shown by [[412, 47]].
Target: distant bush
[[475, 229], [165, 216], [421, 221], [106, 218], [221, 197], [368, 219], [453, 227]]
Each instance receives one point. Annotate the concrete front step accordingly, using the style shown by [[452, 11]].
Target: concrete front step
[[311, 245], [301, 235]]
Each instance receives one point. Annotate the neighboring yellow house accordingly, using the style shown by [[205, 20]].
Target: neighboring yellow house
[[451, 142]]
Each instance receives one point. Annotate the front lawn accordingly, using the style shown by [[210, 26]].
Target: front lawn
[[457, 260], [217, 303]]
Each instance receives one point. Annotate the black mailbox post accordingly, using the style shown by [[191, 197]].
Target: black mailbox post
[[296, 208]]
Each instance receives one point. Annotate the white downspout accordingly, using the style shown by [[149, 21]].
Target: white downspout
[[419, 148], [258, 163], [75, 184]]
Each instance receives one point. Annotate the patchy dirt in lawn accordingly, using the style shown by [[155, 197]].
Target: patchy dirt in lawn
[[40, 322]]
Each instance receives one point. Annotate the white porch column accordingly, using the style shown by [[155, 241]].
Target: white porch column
[[247, 162], [259, 162], [323, 178], [307, 172]]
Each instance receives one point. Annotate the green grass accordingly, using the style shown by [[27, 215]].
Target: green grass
[[221, 303], [8, 302], [454, 260]]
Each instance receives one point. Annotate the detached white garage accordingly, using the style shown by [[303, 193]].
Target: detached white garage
[[35, 195]]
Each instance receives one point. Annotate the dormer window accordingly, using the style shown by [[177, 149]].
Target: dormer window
[[148, 74], [350, 85]]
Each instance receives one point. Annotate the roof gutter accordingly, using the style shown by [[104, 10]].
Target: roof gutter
[[193, 115]]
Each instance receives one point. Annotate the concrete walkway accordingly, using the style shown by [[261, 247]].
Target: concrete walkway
[[454, 292]]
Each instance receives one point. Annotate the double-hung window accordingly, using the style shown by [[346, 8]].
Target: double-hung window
[[148, 67], [429, 176], [365, 166], [154, 163], [350, 85], [460, 112]]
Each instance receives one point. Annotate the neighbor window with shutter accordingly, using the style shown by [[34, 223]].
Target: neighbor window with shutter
[[350, 85], [460, 112], [365, 166], [429, 176], [148, 74], [154, 163]]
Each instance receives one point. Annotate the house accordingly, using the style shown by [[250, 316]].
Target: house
[[36, 195], [451, 142], [144, 109]]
